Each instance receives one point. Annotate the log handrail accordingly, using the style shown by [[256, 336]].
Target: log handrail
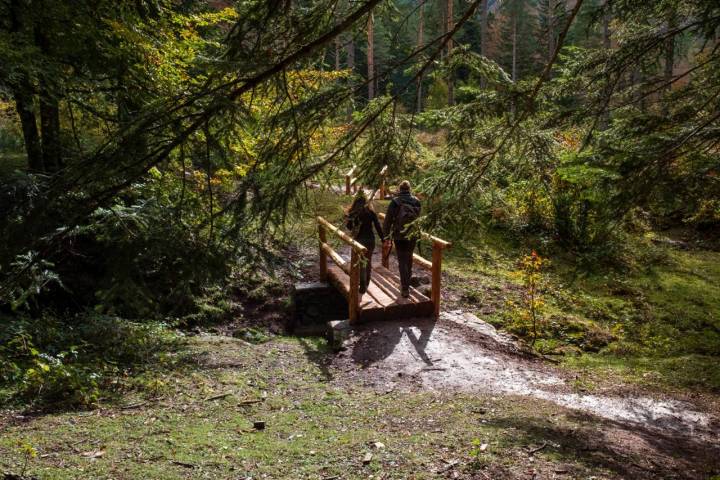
[[342, 235], [435, 266], [383, 178], [357, 255], [339, 261]]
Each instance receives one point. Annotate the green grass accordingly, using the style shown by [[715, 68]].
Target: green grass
[[658, 325], [317, 426]]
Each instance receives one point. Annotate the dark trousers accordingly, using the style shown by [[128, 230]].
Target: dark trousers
[[366, 270], [405, 249], [366, 266]]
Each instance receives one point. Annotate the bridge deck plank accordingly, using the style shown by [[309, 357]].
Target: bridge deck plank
[[382, 300]]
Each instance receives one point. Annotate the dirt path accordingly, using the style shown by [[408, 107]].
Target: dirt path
[[462, 352]]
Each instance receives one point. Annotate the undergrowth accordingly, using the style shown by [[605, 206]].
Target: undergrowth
[[77, 362]]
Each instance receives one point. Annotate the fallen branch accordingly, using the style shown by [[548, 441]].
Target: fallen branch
[[218, 397]]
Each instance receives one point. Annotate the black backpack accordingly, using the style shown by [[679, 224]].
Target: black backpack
[[407, 213]]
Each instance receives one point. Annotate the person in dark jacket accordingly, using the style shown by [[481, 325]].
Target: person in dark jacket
[[360, 221], [401, 212]]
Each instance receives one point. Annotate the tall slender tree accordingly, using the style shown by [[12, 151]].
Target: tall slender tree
[[449, 25], [519, 48], [484, 28], [371, 55], [420, 43]]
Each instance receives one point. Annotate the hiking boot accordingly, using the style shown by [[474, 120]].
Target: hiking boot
[[405, 292]]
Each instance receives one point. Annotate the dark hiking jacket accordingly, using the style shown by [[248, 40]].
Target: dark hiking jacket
[[365, 219], [392, 211]]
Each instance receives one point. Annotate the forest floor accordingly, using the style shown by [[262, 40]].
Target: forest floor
[[413, 399], [371, 412]]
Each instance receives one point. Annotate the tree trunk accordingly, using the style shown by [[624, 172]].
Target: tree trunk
[[25, 106], [371, 56], [50, 126], [350, 46], [337, 53], [24, 95], [484, 28], [484, 34], [449, 26], [49, 113], [514, 47], [420, 42], [670, 49], [606, 28], [551, 28], [669, 59], [605, 118]]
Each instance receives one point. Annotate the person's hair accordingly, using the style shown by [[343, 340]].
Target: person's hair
[[404, 186], [359, 203]]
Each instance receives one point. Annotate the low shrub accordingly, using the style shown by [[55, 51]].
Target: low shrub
[[49, 363]]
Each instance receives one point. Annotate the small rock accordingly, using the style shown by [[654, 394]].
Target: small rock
[[379, 445], [367, 458]]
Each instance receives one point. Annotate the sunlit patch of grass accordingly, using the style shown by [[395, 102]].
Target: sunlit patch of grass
[[665, 316], [698, 372]]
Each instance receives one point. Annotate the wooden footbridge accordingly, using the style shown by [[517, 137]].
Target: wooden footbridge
[[383, 299]]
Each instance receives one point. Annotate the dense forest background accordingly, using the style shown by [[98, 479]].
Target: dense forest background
[[156, 155]]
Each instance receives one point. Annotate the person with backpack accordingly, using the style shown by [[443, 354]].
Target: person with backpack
[[360, 221], [399, 226]]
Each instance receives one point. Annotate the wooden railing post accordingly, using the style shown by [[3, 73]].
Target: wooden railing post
[[323, 256], [436, 277], [386, 256], [383, 177], [354, 297], [349, 180]]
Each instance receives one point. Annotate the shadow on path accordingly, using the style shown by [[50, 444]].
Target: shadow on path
[[377, 341]]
